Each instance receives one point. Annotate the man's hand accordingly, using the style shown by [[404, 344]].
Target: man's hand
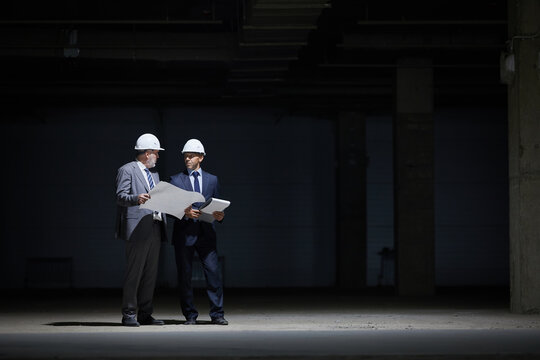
[[218, 215], [192, 213], [142, 198]]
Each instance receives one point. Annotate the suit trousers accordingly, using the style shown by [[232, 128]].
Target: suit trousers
[[142, 257], [214, 285]]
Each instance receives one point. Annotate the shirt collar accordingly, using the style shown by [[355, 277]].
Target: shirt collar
[[141, 165], [192, 171]]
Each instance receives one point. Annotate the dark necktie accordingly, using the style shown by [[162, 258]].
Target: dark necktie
[[150, 180], [196, 185]]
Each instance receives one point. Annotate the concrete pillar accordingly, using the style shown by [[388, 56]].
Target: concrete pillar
[[414, 213], [351, 196], [524, 156]]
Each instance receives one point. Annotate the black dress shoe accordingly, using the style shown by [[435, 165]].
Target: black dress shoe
[[151, 321], [190, 322], [130, 321], [220, 321]]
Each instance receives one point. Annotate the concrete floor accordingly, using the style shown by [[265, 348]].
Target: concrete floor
[[273, 324]]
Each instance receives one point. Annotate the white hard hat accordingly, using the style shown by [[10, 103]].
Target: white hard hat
[[148, 142], [193, 145]]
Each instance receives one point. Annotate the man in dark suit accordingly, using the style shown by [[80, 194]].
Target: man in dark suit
[[190, 235], [142, 230]]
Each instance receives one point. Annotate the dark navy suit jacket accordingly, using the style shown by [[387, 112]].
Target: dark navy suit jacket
[[186, 231]]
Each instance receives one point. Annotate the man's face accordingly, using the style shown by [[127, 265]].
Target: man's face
[[193, 160], [151, 158]]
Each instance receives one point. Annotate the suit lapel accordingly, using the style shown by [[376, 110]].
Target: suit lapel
[[139, 175], [185, 179], [205, 184]]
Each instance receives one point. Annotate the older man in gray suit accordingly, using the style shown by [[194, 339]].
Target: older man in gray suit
[[142, 230]]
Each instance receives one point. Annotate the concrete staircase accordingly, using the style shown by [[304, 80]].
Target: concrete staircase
[[270, 39]]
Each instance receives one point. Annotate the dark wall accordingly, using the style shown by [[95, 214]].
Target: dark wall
[[275, 168], [471, 198], [272, 166]]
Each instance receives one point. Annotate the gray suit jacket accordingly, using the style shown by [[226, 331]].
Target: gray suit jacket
[[129, 217]]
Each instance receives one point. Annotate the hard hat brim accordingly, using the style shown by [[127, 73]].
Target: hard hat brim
[[137, 148], [196, 152]]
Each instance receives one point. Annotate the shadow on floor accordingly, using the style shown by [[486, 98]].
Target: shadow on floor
[[104, 323]]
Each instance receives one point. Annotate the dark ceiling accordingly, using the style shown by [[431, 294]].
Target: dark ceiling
[[298, 52]]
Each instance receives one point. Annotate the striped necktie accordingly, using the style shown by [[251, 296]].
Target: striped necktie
[[150, 180]]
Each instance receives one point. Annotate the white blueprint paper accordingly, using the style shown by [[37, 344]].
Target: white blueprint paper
[[170, 199]]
